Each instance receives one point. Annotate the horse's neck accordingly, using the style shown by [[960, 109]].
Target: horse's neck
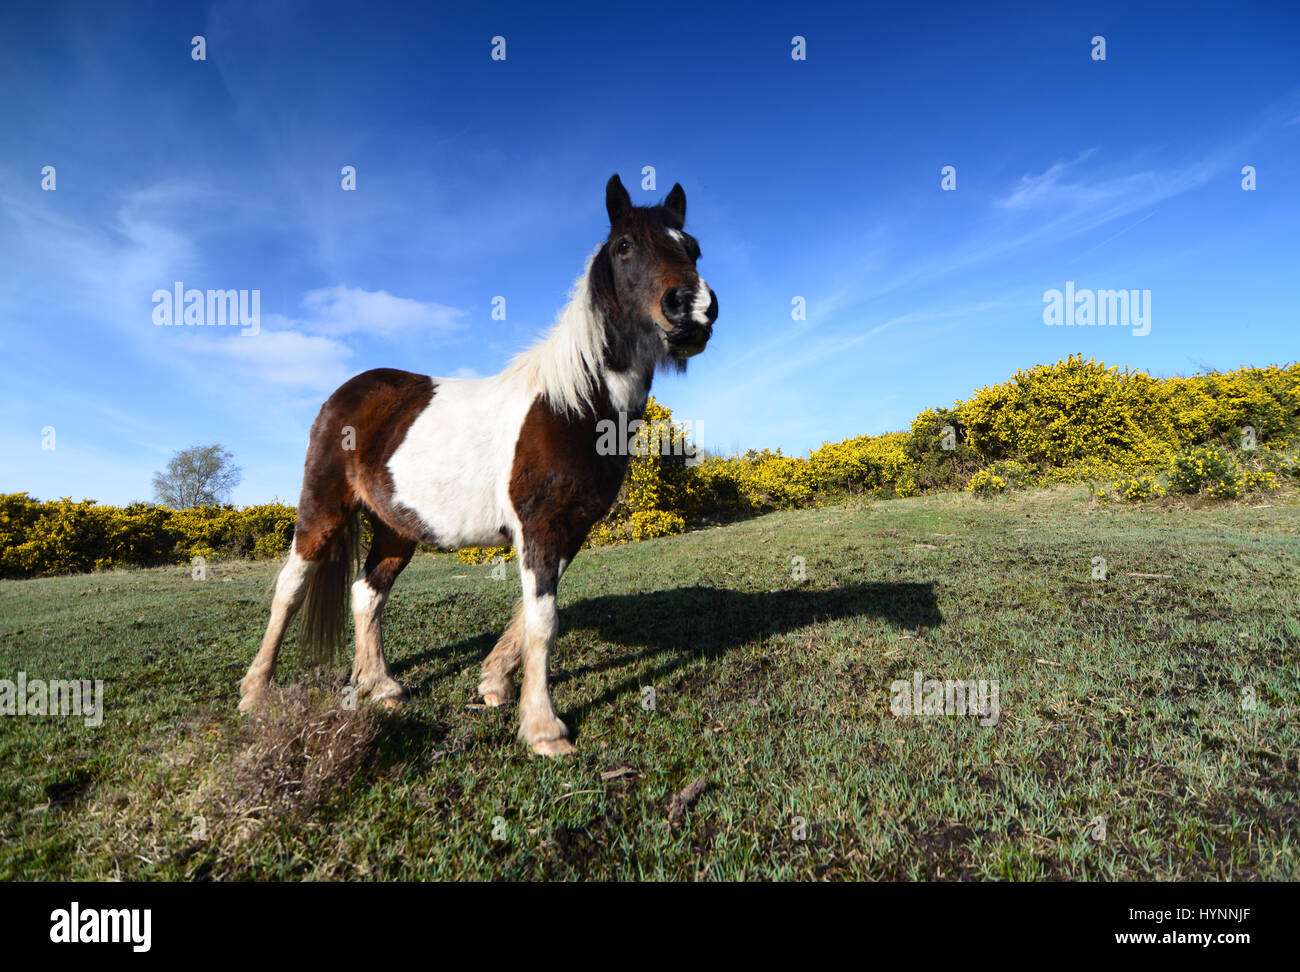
[[574, 368], [626, 392]]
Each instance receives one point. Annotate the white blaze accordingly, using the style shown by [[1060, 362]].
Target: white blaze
[[701, 302]]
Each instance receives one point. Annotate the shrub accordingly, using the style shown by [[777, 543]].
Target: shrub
[[485, 555], [1199, 468], [60, 537], [940, 456], [772, 481], [753, 483], [722, 496], [1141, 487], [661, 488], [1070, 411], [1016, 474], [1228, 487], [1257, 481], [985, 483], [868, 463], [1077, 410], [641, 525]]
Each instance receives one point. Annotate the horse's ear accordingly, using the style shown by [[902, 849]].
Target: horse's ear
[[617, 201], [676, 204]]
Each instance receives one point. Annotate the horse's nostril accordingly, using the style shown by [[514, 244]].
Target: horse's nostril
[[675, 303]]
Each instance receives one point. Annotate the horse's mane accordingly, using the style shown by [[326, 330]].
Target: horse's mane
[[564, 365]]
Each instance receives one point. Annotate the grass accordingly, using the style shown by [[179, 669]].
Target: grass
[[1121, 709]]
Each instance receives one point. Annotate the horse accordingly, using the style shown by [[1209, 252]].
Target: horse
[[511, 459]]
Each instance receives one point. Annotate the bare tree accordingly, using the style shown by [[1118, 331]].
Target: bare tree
[[197, 476]]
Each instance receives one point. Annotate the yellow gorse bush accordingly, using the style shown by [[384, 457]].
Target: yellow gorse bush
[[986, 483], [873, 463], [60, 537], [1139, 488], [1077, 410], [661, 489]]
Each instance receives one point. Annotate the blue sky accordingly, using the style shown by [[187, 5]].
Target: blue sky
[[479, 178]]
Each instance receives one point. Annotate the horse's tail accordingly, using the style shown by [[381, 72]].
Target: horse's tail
[[325, 608]]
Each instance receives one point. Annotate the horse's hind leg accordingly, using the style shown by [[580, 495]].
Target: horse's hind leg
[[389, 553], [290, 591], [497, 686]]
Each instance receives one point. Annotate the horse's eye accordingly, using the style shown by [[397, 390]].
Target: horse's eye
[[624, 247]]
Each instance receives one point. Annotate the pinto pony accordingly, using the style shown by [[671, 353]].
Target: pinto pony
[[507, 459]]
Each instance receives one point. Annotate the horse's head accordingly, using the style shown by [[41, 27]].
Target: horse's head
[[645, 280]]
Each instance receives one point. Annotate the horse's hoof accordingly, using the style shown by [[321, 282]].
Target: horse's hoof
[[496, 691], [385, 691], [247, 702], [554, 747]]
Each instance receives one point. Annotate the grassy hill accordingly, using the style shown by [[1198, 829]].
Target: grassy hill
[[1123, 749]]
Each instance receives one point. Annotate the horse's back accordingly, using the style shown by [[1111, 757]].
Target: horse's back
[[378, 386]]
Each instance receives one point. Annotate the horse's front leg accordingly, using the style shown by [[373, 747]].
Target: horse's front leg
[[539, 727]]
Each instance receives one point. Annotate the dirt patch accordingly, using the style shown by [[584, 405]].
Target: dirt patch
[[63, 794]]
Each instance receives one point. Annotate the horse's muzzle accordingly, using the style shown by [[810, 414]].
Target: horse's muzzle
[[689, 339], [691, 329]]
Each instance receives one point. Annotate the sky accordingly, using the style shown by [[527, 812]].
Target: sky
[[477, 177]]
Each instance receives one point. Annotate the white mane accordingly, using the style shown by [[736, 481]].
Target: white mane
[[564, 364]]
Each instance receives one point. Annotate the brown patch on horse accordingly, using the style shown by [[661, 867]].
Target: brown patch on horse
[[560, 486], [378, 406]]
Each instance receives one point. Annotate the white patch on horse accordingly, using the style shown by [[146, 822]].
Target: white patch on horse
[[291, 582], [537, 720], [365, 599], [700, 303], [628, 390], [676, 235], [453, 467]]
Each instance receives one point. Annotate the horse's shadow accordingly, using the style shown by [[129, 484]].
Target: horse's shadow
[[686, 623]]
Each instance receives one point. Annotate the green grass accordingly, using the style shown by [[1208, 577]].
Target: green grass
[[1120, 699]]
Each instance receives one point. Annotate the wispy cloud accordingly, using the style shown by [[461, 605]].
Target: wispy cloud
[[1063, 188], [350, 310], [1050, 186], [107, 272], [312, 352], [286, 359]]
